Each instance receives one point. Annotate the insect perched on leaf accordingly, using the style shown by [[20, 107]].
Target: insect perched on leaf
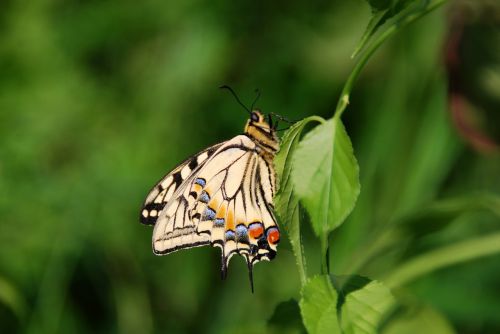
[[222, 196]]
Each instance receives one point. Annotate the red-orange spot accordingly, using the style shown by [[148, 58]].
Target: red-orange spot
[[273, 236], [255, 230]]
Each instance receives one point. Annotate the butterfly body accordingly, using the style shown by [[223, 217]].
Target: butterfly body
[[223, 197]]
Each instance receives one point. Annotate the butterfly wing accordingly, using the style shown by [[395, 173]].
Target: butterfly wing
[[227, 203], [164, 190]]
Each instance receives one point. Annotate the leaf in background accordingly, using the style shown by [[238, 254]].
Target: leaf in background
[[382, 10], [443, 257], [439, 214], [286, 318], [434, 148], [419, 319], [11, 297], [408, 231], [365, 308], [377, 19], [327, 191], [286, 203], [319, 306]]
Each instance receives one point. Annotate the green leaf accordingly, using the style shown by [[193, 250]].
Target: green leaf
[[318, 306], [286, 203], [419, 319], [440, 214], [286, 318], [375, 22], [378, 5], [443, 257], [345, 284], [365, 308], [326, 176], [382, 10], [426, 220]]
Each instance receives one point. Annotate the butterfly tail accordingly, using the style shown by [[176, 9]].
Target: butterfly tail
[[250, 273], [223, 269]]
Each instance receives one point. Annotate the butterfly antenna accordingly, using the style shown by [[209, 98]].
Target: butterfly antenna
[[284, 119], [270, 121], [284, 129], [235, 96], [250, 273], [257, 91]]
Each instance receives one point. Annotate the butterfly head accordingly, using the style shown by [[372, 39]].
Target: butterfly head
[[261, 130]]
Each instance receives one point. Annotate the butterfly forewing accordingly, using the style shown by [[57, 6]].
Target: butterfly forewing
[[164, 190]]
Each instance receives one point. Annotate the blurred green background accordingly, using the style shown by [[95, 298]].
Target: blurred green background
[[99, 99]]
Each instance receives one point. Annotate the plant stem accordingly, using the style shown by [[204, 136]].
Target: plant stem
[[346, 91], [301, 261]]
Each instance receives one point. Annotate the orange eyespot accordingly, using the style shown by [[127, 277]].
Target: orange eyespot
[[255, 230], [273, 236]]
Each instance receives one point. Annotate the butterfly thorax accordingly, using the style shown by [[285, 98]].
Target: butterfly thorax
[[262, 133]]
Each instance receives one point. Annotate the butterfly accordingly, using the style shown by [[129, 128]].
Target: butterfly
[[222, 196]]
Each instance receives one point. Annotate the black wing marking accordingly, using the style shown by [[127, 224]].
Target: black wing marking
[[163, 191]]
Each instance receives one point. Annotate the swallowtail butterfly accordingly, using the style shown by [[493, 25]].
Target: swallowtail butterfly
[[222, 196]]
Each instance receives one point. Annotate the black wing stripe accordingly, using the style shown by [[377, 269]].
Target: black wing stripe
[[151, 210]]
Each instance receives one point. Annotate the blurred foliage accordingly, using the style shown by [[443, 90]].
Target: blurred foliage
[[98, 99]]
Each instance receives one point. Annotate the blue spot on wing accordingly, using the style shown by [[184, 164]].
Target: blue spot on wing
[[241, 231], [219, 222], [200, 181], [230, 235], [204, 197], [209, 214]]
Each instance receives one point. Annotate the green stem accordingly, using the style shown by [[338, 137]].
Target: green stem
[[346, 91], [301, 261], [288, 207]]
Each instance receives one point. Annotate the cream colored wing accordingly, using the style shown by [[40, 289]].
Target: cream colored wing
[[226, 203], [163, 191]]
